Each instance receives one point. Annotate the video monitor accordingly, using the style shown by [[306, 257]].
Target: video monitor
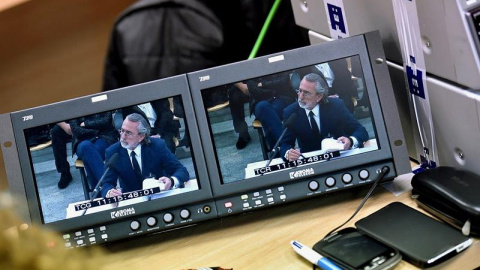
[[264, 147], [70, 162]]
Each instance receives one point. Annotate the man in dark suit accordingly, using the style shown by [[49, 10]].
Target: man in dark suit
[[140, 157], [319, 117]]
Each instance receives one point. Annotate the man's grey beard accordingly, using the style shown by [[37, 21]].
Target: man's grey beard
[[302, 104], [125, 145]]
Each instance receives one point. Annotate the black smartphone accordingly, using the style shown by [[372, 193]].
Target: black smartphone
[[352, 250]]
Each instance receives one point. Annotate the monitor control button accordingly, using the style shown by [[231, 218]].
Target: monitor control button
[[185, 214], [134, 225], [168, 218], [151, 221], [347, 178], [330, 181], [364, 174], [313, 185]]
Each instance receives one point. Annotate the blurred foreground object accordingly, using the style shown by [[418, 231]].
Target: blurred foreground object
[[26, 246]]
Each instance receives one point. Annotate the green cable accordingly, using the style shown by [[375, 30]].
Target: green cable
[[259, 41]]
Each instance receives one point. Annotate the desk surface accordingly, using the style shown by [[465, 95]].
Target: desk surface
[[261, 239]]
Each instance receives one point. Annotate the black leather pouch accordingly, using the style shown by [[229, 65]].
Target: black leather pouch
[[450, 194]]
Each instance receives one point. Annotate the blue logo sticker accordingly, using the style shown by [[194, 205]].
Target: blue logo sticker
[[336, 18], [415, 80]]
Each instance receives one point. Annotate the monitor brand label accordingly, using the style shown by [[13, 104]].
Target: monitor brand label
[[302, 173], [122, 213]]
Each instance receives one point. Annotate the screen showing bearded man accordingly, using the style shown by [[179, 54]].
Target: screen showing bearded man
[[141, 157]]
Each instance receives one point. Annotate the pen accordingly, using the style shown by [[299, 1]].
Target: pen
[[313, 257]]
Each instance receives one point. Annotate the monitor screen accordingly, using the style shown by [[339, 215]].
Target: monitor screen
[[59, 202], [264, 140], [76, 167]]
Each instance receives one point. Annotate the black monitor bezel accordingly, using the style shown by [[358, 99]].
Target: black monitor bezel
[[373, 65], [78, 107]]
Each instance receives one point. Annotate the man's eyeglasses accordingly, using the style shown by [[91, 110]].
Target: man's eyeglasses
[[304, 92], [126, 132]]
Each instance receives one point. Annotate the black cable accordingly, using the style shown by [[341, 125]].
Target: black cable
[[380, 176]]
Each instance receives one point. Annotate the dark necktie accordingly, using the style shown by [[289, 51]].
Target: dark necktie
[[136, 167], [313, 123]]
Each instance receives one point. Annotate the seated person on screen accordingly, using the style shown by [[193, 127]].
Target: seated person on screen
[[331, 117], [267, 98], [61, 135], [343, 86], [92, 135], [152, 156]]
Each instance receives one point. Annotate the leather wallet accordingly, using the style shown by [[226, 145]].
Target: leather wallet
[[451, 195]]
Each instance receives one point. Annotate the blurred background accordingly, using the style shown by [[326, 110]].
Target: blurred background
[[54, 50]]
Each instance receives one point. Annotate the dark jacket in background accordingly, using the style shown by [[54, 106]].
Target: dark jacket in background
[[154, 39]]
